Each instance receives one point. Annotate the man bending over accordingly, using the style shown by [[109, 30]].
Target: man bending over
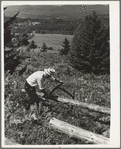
[[37, 79]]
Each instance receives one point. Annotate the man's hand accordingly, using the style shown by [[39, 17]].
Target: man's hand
[[47, 96], [43, 91], [59, 81]]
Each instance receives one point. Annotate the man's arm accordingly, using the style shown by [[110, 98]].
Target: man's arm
[[44, 91], [52, 78], [41, 86]]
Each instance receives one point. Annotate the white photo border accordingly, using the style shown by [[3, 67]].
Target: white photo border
[[114, 18]]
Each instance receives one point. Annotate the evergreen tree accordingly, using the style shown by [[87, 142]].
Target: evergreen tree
[[32, 45], [11, 58], [7, 30], [90, 46], [44, 47], [66, 47]]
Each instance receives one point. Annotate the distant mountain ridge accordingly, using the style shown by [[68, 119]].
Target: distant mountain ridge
[[55, 11]]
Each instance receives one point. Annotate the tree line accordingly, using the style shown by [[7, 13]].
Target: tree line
[[59, 26]]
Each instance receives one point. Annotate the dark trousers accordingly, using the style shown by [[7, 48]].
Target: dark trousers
[[31, 91]]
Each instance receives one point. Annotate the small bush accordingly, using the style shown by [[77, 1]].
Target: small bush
[[32, 45], [50, 48], [44, 48]]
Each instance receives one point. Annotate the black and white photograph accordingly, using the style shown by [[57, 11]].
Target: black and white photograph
[[60, 74]]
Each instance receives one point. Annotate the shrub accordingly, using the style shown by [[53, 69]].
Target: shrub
[[32, 45], [50, 48], [44, 48]]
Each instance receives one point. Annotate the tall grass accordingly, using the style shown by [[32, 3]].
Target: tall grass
[[89, 88]]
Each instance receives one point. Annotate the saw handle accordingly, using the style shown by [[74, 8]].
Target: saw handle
[[56, 88]]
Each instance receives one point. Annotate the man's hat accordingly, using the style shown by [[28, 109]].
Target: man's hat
[[49, 71]]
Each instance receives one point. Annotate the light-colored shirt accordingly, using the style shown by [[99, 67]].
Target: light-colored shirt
[[38, 78]]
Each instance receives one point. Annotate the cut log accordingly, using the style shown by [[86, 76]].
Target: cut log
[[93, 107], [77, 132]]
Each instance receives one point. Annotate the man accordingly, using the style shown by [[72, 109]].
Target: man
[[37, 79]]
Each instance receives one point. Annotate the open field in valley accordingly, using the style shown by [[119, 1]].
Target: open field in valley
[[51, 40]]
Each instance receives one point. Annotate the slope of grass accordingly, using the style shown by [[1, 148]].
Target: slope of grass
[[90, 88]]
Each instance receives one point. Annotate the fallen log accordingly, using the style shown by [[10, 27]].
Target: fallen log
[[93, 107], [77, 132]]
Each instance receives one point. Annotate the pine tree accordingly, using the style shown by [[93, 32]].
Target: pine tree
[[44, 47], [32, 45], [11, 58], [66, 48], [90, 46]]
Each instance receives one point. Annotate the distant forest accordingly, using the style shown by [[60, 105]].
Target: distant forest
[[50, 25]]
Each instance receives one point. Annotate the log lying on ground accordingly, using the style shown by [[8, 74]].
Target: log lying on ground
[[77, 132], [93, 107]]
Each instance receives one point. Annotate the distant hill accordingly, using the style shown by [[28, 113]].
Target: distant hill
[[55, 11]]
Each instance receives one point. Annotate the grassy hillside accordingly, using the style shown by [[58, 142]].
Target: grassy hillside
[[90, 88]]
